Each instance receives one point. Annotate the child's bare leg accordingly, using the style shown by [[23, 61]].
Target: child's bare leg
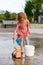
[[21, 44], [27, 41]]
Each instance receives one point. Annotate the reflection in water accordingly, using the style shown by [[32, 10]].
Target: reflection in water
[[17, 61], [6, 50], [29, 61], [37, 59], [24, 61]]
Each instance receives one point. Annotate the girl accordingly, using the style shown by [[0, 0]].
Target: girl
[[22, 29]]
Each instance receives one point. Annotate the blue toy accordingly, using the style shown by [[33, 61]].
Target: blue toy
[[16, 46], [18, 41]]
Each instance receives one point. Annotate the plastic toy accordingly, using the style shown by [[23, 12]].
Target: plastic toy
[[17, 52]]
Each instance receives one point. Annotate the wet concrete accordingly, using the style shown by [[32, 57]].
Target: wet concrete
[[6, 48]]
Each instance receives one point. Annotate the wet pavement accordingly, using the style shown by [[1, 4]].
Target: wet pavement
[[6, 48]]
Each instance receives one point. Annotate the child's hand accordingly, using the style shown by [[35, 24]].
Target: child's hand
[[29, 32], [14, 36]]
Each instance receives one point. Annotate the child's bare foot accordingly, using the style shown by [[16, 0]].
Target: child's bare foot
[[21, 53]]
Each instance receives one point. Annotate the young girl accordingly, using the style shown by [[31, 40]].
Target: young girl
[[22, 29]]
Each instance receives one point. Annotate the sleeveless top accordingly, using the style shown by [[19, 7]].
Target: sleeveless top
[[23, 31]]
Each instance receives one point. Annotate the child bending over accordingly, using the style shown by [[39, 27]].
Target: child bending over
[[22, 29]]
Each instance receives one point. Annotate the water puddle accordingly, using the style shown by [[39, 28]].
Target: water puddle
[[6, 48]]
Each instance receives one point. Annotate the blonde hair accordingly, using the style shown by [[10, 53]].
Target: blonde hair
[[21, 15]]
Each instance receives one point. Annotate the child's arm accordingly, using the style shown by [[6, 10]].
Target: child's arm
[[15, 33], [28, 26]]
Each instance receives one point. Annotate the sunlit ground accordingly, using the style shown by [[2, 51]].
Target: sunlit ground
[[6, 48]]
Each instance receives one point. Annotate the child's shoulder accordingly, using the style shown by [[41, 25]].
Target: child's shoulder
[[18, 23], [27, 21]]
